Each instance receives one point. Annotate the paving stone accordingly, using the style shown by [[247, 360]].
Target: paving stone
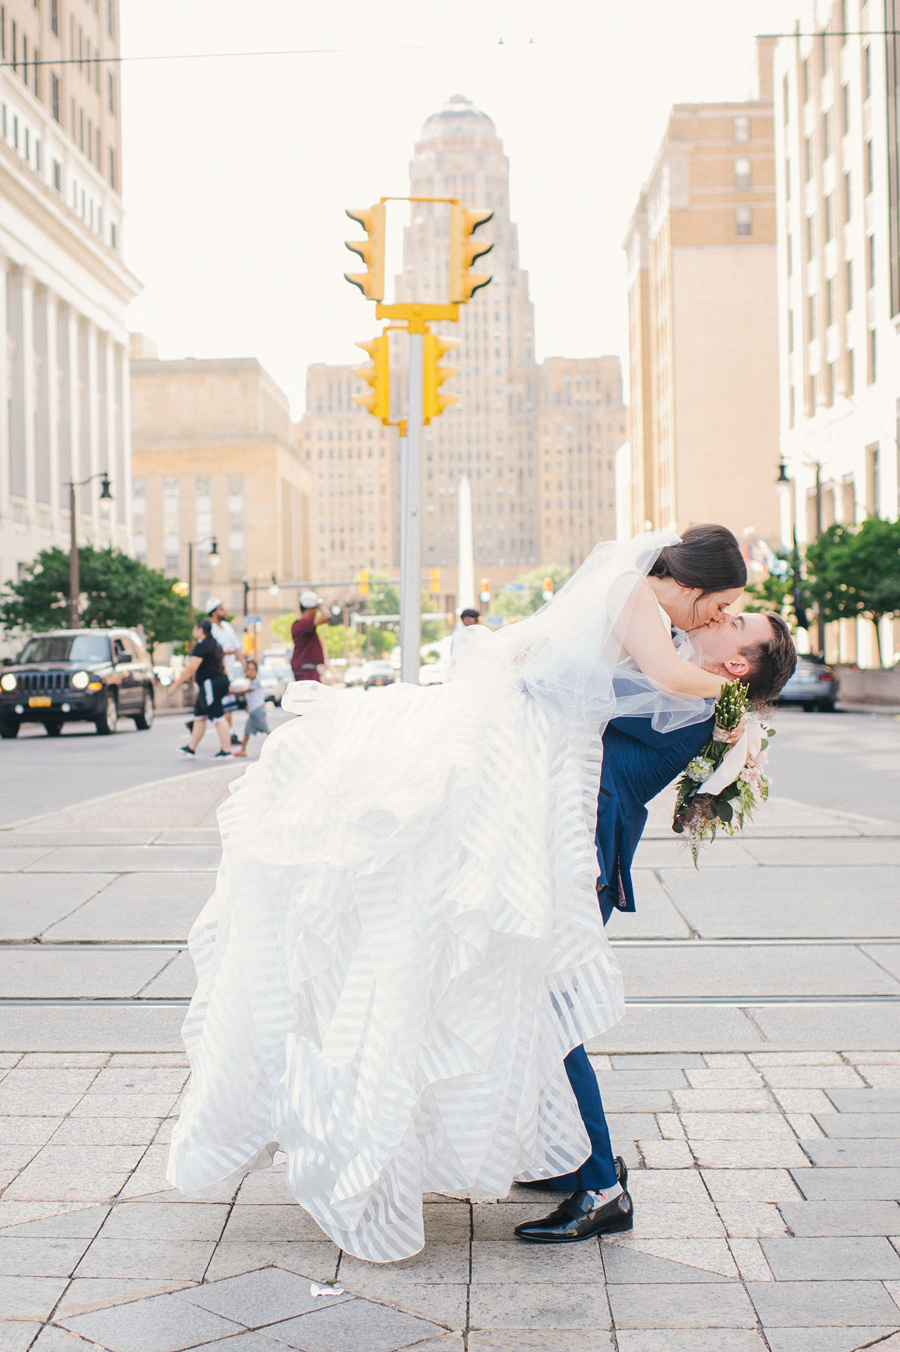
[[32, 1257], [657, 1061], [245, 1342], [813, 1077], [447, 1223], [107, 1131], [36, 973], [161, 1258], [681, 1305], [751, 1260], [541, 1305], [160, 1220], [264, 1186], [881, 1077], [860, 1125], [788, 1058], [751, 1220], [631, 1126], [748, 1155], [804, 1101], [435, 1263], [157, 1324], [805, 1126], [141, 1080], [444, 1303], [666, 1154], [132, 908], [737, 1126], [822, 1304], [866, 1100], [646, 1080], [689, 1340], [348, 1326], [266, 1296], [836, 1259], [53, 1339], [724, 1101], [661, 1185], [125, 1105], [866, 1152], [266, 1223], [105, 1159], [670, 1126], [751, 1185], [835, 1184], [725, 1077], [842, 1218], [677, 1220], [55, 1080], [17, 1336], [319, 1261], [118, 859], [149, 1060], [623, 1264], [636, 1100], [513, 1261], [37, 1183], [14, 1157], [830, 1340], [521, 1340], [30, 1297], [32, 904], [99, 1293], [65, 1060], [79, 1223]]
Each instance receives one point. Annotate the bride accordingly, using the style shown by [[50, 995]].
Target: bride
[[404, 942]]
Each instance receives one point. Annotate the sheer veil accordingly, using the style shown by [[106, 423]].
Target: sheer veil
[[404, 942]]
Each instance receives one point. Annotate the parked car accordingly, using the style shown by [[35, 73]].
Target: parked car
[[274, 680], [77, 675], [378, 673], [354, 676], [813, 684]]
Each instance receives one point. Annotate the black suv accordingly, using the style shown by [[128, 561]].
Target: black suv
[[77, 675]]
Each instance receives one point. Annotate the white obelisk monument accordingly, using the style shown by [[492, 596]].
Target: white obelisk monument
[[466, 564]]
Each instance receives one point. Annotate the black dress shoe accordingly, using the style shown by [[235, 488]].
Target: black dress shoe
[[579, 1217], [551, 1185]]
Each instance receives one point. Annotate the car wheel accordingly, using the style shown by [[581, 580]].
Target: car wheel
[[827, 706], [144, 719], [108, 720], [9, 729], [53, 729], [809, 707]]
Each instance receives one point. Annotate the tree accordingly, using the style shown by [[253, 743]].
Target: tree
[[115, 590], [855, 572], [518, 604], [784, 590]]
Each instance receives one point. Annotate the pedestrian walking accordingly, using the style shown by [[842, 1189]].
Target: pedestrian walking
[[206, 666], [308, 655], [225, 634], [256, 709]]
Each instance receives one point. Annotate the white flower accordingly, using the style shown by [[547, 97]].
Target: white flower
[[699, 769]]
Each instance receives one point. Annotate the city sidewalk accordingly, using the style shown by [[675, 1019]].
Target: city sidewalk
[[753, 1088]]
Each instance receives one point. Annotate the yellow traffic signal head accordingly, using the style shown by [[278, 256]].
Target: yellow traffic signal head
[[434, 580], [363, 582], [433, 402], [464, 251], [376, 373], [371, 251]]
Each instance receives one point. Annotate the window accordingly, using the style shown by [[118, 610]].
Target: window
[[826, 135], [743, 220], [790, 256], [870, 259], [845, 95], [848, 197], [111, 92], [57, 175], [3, 32], [14, 48], [843, 22], [851, 371], [111, 18], [829, 302], [804, 79], [808, 157], [791, 413], [870, 167], [823, 51], [54, 17], [54, 96], [829, 218], [872, 355], [867, 72], [785, 99], [849, 280], [742, 129], [787, 179], [810, 236], [873, 479], [112, 235], [829, 383], [742, 173], [112, 167], [811, 316], [790, 326]]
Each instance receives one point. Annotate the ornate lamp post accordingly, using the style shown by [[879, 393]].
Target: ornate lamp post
[[74, 579]]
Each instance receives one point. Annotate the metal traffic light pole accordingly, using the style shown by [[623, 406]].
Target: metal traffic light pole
[[411, 518]]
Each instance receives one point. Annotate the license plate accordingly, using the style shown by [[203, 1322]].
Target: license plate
[[40, 702]]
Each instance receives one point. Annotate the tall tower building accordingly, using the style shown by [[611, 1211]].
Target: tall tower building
[[63, 284], [491, 434]]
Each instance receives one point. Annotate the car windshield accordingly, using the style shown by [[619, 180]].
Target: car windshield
[[87, 648]]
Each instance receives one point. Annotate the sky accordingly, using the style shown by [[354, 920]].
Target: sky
[[237, 169]]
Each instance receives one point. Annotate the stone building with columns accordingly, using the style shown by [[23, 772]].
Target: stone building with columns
[[65, 287]]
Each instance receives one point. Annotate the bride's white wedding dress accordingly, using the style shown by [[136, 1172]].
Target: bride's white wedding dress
[[404, 942]]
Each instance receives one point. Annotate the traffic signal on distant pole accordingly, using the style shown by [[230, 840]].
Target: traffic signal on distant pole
[[362, 580], [464, 251], [433, 402], [371, 251], [547, 592], [485, 594], [376, 373], [434, 581]]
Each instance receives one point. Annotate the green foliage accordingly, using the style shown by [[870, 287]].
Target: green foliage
[[522, 603], [115, 590], [341, 640], [784, 590], [281, 627], [855, 572]]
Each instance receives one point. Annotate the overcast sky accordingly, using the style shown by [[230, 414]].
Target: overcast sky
[[237, 170]]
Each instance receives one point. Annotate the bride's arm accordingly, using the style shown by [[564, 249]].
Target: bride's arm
[[645, 639]]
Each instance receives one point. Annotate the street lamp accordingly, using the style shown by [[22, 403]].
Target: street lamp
[[214, 557], [273, 586], [74, 579]]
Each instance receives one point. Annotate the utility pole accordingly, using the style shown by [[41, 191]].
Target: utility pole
[[74, 575], [411, 519]]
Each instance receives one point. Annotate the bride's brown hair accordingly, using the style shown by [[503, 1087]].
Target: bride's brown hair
[[708, 557]]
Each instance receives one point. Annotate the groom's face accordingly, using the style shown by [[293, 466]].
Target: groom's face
[[722, 645]]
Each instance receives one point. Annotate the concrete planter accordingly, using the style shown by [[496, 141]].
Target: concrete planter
[[869, 685]]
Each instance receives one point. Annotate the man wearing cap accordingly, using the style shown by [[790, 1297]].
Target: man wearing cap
[[225, 635], [308, 654]]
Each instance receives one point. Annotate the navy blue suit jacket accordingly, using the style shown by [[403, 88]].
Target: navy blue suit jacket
[[638, 763]]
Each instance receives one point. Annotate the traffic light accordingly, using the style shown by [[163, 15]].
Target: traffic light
[[363, 583], [433, 402], [485, 593], [434, 581], [547, 591], [464, 251], [376, 373], [371, 251]]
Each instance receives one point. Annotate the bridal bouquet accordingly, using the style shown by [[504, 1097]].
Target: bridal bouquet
[[722, 786]]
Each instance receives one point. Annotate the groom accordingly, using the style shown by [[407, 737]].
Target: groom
[[638, 763]]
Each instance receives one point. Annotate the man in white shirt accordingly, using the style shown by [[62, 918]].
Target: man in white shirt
[[235, 663]]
